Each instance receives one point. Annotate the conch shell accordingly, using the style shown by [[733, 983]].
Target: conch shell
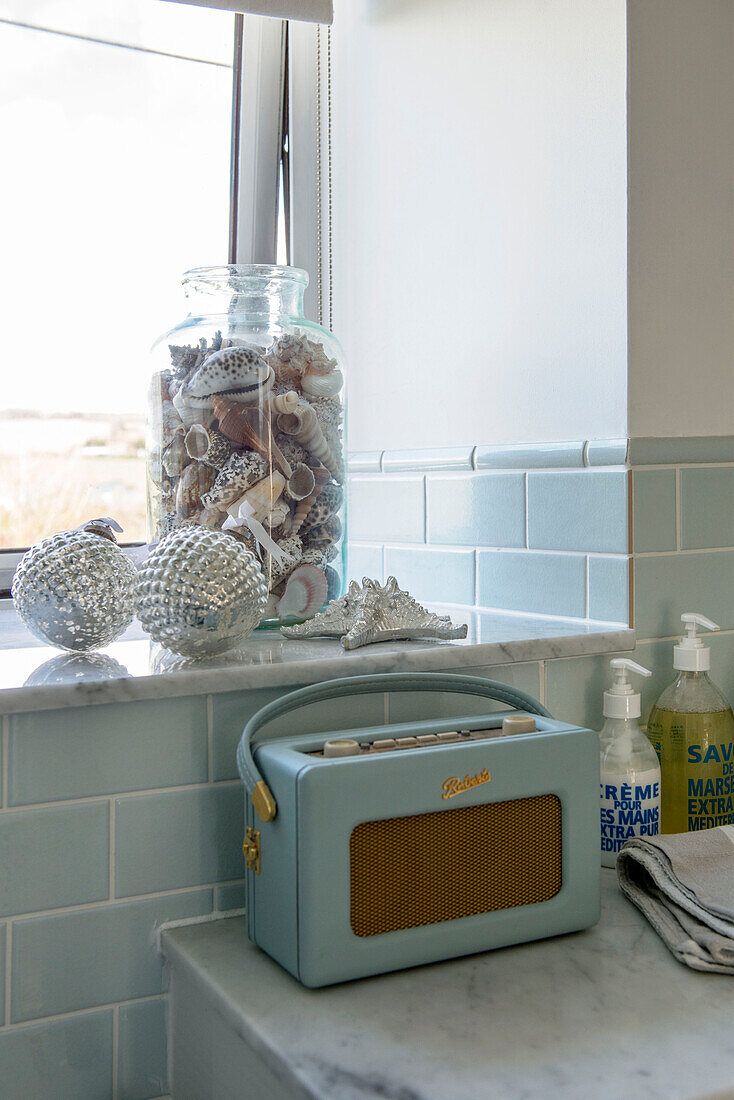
[[303, 425], [305, 592], [322, 385], [174, 458], [250, 427], [240, 471], [189, 415], [170, 422], [195, 481], [261, 497]]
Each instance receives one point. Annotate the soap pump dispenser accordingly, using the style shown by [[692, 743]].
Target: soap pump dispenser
[[629, 768], [692, 729]]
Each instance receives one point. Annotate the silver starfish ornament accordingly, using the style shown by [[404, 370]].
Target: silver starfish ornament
[[375, 613]]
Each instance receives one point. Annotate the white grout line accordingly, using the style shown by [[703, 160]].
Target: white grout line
[[58, 803], [113, 856], [677, 509], [8, 968], [115, 1047], [75, 1012], [6, 750], [683, 553], [210, 737]]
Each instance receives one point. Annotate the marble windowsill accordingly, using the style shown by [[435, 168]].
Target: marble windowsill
[[36, 677], [604, 1013]]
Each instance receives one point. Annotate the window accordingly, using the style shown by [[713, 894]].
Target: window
[[116, 124]]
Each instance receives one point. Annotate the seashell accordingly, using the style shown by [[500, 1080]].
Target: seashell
[[322, 385], [278, 515], [321, 478], [315, 557], [274, 571], [195, 481], [240, 471], [261, 496], [282, 402], [328, 532], [329, 414], [174, 458], [212, 517], [165, 422], [292, 451], [292, 356], [301, 483], [208, 445], [189, 415], [306, 430], [305, 592], [249, 427], [326, 504], [239, 373], [333, 582]]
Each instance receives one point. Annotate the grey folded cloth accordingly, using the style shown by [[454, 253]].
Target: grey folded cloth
[[684, 885]]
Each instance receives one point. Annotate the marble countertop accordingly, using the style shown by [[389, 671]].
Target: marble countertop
[[604, 1013], [36, 677]]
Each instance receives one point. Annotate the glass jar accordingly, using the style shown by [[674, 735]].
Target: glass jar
[[246, 431]]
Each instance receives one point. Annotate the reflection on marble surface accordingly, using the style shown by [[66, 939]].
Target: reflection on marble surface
[[33, 677]]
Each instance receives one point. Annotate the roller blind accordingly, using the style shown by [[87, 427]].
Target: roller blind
[[311, 11]]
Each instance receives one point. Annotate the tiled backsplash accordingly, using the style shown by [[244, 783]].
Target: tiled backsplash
[[539, 528]]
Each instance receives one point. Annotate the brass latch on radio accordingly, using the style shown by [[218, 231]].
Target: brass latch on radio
[[251, 849]]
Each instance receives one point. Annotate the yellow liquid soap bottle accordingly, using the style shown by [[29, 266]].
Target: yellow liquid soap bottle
[[629, 772], [692, 729]]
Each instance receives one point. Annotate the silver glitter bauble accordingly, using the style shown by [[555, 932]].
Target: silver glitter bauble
[[75, 590], [200, 592]]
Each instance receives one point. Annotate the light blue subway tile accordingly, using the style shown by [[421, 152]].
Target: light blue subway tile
[[229, 897], [232, 710], [198, 839], [94, 956], [653, 509], [574, 686], [365, 462], [669, 584], [428, 458], [364, 560], [578, 510], [142, 1073], [54, 857], [609, 589], [478, 509], [544, 584], [3, 934], [414, 706], [84, 751], [386, 509], [529, 456], [67, 1059], [433, 576], [652, 451], [706, 507], [606, 452]]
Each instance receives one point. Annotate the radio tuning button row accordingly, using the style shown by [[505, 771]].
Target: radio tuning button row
[[406, 742], [427, 739], [448, 736], [342, 747], [384, 744]]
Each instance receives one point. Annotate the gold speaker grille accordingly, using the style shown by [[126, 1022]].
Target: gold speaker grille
[[439, 866]]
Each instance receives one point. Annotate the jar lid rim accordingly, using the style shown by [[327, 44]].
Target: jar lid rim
[[245, 271]]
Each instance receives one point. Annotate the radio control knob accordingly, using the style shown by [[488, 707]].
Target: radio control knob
[[343, 747], [518, 723]]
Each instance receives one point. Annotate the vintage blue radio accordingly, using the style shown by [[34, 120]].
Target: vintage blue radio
[[382, 848]]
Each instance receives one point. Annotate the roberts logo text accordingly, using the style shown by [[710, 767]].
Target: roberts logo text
[[454, 785]]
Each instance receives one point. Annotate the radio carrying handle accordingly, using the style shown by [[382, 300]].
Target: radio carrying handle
[[260, 794]]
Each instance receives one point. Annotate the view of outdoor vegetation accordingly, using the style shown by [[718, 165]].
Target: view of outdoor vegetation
[[117, 126]]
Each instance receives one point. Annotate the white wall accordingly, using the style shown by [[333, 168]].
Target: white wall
[[479, 218], [681, 217]]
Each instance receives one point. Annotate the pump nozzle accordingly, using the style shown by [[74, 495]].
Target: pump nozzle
[[691, 655], [621, 701]]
